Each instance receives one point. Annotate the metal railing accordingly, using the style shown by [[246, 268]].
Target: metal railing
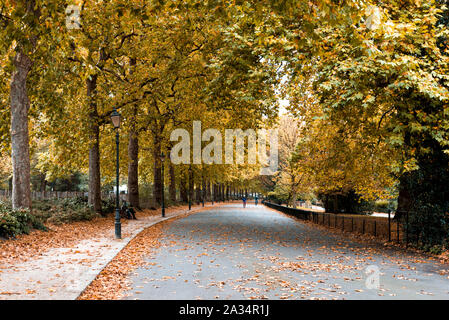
[[379, 227]]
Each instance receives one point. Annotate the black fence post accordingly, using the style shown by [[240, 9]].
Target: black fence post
[[363, 226]]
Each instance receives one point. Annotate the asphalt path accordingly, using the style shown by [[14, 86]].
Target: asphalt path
[[257, 253]]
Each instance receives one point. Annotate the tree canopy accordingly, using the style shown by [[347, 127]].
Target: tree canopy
[[366, 84]]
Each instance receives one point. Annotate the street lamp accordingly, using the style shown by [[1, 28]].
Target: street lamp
[[116, 118], [190, 186], [162, 183]]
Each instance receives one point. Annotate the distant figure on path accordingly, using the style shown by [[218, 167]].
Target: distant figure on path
[[244, 201], [255, 200]]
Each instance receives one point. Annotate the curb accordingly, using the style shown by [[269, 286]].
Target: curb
[[125, 243]]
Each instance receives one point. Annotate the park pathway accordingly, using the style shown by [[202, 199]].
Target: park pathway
[[255, 253], [64, 272]]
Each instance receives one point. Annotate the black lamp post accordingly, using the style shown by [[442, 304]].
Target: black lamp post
[[162, 183], [116, 118], [190, 186]]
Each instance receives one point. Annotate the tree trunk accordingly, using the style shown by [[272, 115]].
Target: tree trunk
[[404, 197], [157, 178], [133, 155], [191, 183], [203, 189], [94, 150], [293, 203], [172, 183], [43, 183], [336, 207], [183, 188], [208, 192], [20, 147], [133, 168]]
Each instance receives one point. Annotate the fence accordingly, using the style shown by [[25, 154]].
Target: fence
[[48, 195], [379, 227]]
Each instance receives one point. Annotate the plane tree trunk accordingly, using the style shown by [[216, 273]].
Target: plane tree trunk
[[172, 187], [20, 146], [133, 168], [94, 194], [20, 106], [183, 188], [157, 177]]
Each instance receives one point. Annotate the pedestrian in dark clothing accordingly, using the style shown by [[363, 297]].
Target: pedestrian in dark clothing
[[244, 202]]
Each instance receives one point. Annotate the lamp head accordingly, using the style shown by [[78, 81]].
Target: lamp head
[[116, 118]]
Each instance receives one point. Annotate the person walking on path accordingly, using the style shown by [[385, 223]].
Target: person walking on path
[[244, 201], [255, 200]]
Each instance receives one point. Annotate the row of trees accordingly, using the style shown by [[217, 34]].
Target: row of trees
[[162, 65], [371, 103], [367, 85]]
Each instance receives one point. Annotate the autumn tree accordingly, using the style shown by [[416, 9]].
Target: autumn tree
[[26, 28]]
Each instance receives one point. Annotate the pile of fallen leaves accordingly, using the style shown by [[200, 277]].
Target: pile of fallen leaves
[[112, 281], [27, 246], [444, 257]]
